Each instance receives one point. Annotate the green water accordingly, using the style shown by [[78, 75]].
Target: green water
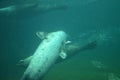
[[81, 20]]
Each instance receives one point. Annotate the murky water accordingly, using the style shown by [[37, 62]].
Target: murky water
[[82, 20]]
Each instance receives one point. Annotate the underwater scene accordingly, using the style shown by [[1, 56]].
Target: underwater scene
[[59, 39]]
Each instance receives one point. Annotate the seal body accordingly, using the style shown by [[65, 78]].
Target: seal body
[[45, 55]]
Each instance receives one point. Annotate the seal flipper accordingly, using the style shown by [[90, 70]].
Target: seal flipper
[[63, 55], [41, 35], [25, 62]]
